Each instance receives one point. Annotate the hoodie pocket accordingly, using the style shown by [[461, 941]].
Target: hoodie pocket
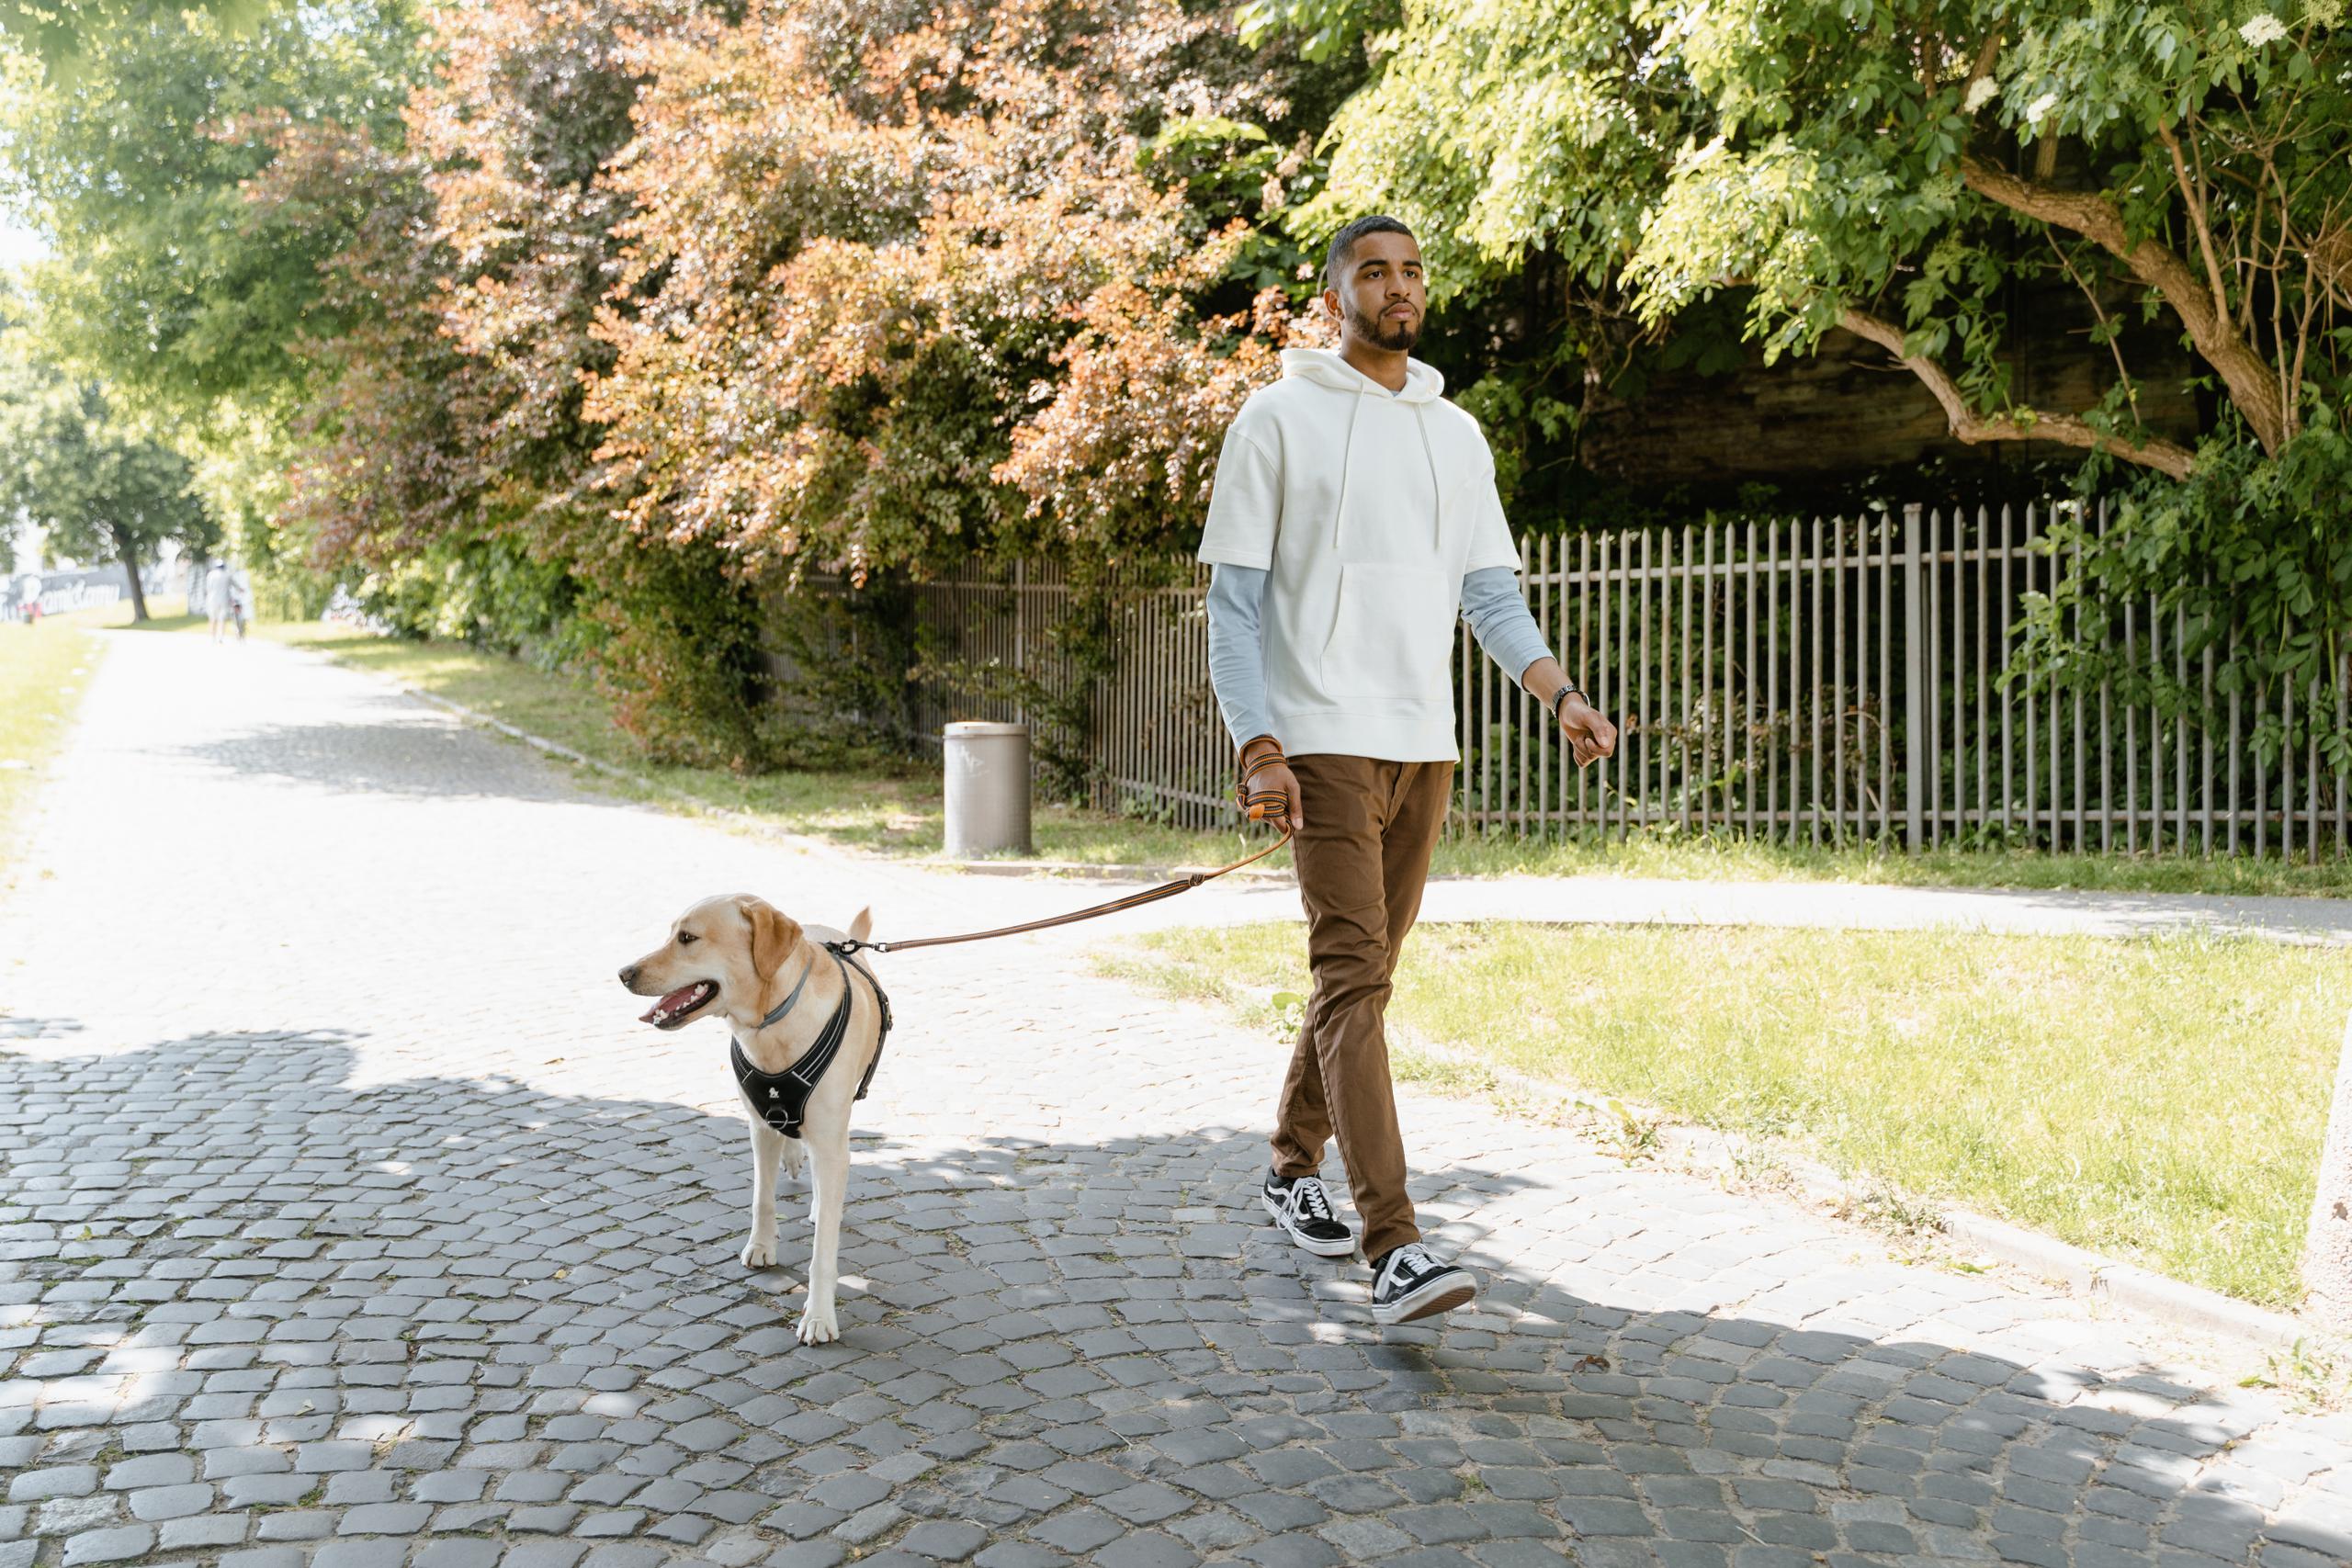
[[1390, 634]]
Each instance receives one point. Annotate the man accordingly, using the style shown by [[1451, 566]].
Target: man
[[1354, 517]]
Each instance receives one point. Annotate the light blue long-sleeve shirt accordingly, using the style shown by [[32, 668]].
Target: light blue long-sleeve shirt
[[1498, 618]]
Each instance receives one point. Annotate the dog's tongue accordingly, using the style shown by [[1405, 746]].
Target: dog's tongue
[[669, 1003]]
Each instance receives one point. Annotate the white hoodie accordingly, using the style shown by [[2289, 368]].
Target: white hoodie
[[1365, 508]]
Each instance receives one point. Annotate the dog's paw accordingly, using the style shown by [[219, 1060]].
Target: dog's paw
[[758, 1253], [818, 1325], [796, 1157]]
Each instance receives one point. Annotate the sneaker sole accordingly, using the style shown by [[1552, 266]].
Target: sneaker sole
[[1438, 1296], [1320, 1248]]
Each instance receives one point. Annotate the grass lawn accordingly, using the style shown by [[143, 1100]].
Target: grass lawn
[[43, 672], [2162, 1101], [899, 812]]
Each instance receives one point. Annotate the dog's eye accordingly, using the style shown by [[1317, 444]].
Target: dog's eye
[[686, 939]]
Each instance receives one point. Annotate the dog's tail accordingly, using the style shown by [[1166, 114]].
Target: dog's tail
[[860, 926]]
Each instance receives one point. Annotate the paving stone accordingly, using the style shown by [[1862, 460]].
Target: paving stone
[[1147, 1549], [109, 1545], [460, 1286], [454, 1552], [361, 1554], [151, 1470], [947, 1540], [1292, 1551], [62, 1481]]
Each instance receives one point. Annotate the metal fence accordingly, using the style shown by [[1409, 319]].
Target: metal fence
[[1816, 681]]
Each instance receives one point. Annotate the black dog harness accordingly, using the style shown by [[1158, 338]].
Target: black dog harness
[[781, 1099]]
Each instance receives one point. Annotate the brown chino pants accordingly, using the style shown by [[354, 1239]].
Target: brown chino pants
[[1363, 860]]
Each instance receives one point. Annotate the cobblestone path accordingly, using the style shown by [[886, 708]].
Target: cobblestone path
[[347, 1217]]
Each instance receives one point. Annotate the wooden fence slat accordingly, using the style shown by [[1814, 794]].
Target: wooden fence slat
[[1595, 684], [1812, 698], [1837, 679], [1747, 717], [1686, 718], [2106, 733], [2181, 730], [1771, 724], [2311, 772], [2009, 698], [1543, 624], [1889, 629], [2156, 749], [1933, 756], [1642, 768], [2032, 754]]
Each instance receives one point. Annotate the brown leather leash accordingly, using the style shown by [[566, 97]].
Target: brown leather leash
[[1257, 805]]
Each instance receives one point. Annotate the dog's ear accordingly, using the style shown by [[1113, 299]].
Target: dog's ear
[[773, 934]]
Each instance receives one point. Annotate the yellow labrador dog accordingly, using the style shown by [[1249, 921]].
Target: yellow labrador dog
[[809, 1025]]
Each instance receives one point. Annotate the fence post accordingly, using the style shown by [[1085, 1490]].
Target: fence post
[[1915, 695]]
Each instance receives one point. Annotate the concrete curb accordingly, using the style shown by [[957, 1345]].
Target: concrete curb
[[2088, 1275], [2083, 1273]]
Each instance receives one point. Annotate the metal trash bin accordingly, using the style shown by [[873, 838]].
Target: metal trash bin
[[988, 788]]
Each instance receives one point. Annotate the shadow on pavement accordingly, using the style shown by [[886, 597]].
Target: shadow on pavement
[[395, 746], [264, 1306]]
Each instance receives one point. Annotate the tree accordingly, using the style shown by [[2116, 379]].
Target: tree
[[1896, 168], [103, 489], [166, 281], [869, 311], [58, 32]]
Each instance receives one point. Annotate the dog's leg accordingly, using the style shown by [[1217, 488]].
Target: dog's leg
[[767, 1147], [829, 1172]]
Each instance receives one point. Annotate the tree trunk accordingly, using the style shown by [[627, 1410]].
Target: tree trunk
[[126, 550]]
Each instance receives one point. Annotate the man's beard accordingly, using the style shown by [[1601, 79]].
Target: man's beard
[[1376, 331]]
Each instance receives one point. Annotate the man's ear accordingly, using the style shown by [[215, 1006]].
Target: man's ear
[[773, 934]]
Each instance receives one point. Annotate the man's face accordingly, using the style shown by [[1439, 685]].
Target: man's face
[[1381, 296]]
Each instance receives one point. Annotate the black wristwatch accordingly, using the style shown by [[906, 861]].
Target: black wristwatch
[[1560, 696]]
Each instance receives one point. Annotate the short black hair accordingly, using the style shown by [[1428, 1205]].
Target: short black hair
[[1345, 241]]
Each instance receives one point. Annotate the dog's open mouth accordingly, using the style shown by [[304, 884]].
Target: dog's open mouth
[[679, 1005]]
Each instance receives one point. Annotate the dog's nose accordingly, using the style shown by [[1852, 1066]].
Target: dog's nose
[[628, 974]]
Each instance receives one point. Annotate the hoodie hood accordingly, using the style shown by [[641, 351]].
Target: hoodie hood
[[1324, 366]]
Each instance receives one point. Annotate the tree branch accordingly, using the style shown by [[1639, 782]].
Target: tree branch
[[2098, 314], [2192, 198], [1983, 64], [2251, 384], [2164, 457]]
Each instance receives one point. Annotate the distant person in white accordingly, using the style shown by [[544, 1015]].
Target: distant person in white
[[228, 595], [216, 596]]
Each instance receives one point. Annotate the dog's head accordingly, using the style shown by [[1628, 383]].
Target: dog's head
[[719, 958]]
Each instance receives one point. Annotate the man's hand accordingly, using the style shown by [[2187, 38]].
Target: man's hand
[[1273, 778], [1591, 737]]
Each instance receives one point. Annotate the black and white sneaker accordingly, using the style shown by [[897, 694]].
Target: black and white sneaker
[[1407, 1284], [1301, 1206]]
